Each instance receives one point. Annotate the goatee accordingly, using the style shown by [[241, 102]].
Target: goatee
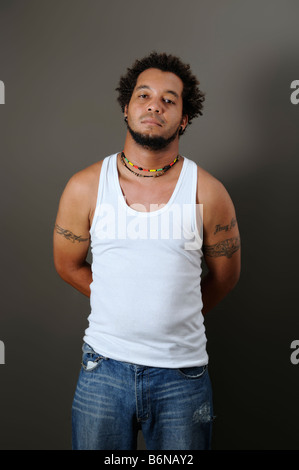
[[152, 142]]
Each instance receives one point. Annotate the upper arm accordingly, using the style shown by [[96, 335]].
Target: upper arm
[[221, 237], [71, 232]]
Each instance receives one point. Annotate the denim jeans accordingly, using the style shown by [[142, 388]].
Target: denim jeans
[[113, 400]]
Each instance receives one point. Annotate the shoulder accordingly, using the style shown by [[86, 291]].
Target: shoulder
[[84, 180], [216, 202], [209, 189], [81, 188]]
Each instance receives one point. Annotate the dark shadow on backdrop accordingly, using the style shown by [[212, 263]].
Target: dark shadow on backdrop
[[250, 333]]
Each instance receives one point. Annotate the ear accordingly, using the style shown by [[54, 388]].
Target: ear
[[184, 122], [126, 110]]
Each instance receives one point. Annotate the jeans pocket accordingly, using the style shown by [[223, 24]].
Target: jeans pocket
[[90, 359], [192, 373]]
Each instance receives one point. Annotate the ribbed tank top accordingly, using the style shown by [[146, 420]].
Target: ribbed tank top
[[146, 272]]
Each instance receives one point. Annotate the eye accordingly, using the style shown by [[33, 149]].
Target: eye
[[168, 101], [143, 95]]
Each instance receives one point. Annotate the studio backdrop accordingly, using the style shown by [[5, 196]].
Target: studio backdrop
[[60, 62]]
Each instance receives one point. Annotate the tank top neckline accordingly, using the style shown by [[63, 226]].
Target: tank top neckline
[[146, 213]]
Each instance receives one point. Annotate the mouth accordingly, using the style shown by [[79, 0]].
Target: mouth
[[151, 122]]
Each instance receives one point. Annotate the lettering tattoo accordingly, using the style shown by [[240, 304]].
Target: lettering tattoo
[[70, 235], [226, 228], [224, 248]]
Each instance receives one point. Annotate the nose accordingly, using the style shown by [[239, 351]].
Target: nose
[[154, 107]]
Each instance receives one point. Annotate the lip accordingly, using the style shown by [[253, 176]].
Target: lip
[[152, 122]]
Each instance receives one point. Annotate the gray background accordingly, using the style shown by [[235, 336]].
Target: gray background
[[60, 62]]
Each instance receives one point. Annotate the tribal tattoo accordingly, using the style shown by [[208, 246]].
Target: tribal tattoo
[[70, 235], [224, 248]]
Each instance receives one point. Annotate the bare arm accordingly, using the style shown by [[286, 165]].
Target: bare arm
[[221, 244], [71, 234]]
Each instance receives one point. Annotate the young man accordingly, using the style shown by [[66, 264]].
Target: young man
[[144, 360]]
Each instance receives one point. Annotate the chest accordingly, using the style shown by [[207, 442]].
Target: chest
[[146, 195]]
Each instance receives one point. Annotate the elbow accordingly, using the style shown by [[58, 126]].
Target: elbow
[[60, 269], [233, 284], [227, 281], [68, 269], [232, 280]]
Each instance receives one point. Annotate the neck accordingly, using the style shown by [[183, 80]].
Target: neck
[[147, 158]]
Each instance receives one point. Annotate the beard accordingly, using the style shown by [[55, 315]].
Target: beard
[[152, 142]]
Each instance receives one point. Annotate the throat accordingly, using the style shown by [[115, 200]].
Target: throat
[[141, 172], [148, 194]]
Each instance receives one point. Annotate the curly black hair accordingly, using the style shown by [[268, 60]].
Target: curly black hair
[[193, 97]]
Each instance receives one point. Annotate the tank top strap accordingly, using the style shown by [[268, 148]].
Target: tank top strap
[[185, 192], [104, 186]]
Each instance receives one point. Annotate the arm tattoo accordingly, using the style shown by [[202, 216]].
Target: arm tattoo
[[220, 227], [225, 248], [69, 235]]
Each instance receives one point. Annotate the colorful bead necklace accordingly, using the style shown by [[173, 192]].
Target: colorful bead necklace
[[158, 172]]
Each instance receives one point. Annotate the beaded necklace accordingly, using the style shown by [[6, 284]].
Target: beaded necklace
[[156, 173]]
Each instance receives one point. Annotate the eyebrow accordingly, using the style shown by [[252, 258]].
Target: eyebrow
[[140, 87]]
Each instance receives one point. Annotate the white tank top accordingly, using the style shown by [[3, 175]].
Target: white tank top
[[145, 295]]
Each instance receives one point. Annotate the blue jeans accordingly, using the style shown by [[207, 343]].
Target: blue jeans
[[113, 400]]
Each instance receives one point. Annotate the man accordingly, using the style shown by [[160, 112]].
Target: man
[[144, 362]]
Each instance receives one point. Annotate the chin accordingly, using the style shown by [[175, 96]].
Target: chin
[[150, 140]]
